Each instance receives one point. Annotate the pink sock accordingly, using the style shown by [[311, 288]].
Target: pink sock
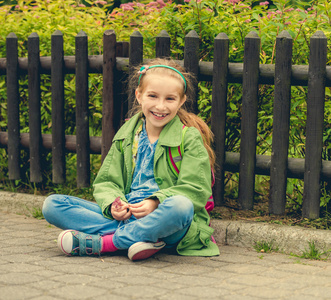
[[107, 244]]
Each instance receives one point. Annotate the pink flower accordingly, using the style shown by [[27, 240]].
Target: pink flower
[[264, 3], [81, 5], [248, 20], [17, 6], [140, 4], [37, 17], [152, 4], [126, 7], [188, 1], [287, 23], [120, 14], [160, 2]]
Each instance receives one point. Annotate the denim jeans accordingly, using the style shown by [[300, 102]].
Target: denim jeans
[[169, 222]]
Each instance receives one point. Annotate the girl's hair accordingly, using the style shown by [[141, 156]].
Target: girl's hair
[[137, 81]]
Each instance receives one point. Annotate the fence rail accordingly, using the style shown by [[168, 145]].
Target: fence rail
[[115, 61]]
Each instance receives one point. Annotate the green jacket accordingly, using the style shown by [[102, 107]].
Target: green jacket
[[194, 181]]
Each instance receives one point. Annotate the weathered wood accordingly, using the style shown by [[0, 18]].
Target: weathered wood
[[218, 111], [281, 124], [13, 108], [299, 73], [82, 112], [108, 113], [58, 123], [34, 108], [162, 48], [249, 121], [70, 142], [314, 127], [136, 58], [191, 63], [295, 169]]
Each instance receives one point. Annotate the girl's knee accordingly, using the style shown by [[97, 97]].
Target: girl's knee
[[182, 205], [49, 205]]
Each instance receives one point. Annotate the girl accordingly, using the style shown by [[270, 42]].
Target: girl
[[141, 205]]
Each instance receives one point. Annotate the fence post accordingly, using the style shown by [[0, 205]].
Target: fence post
[[191, 61], [82, 113], [13, 108], [58, 124], [218, 111], [135, 58], [162, 45], [109, 60], [34, 108], [281, 124], [249, 121], [314, 125]]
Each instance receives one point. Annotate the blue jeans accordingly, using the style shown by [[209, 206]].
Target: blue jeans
[[169, 222]]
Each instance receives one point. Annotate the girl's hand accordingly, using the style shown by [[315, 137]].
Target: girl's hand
[[144, 208], [120, 210]]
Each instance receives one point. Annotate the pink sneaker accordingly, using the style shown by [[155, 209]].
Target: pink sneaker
[[142, 250]]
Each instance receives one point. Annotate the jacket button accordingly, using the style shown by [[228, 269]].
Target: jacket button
[[207, 241], [159, 180]]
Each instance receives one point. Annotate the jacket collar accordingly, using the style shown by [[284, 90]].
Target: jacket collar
[[171, 135]]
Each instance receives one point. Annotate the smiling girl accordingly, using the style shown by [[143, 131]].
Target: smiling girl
[[141, 205]]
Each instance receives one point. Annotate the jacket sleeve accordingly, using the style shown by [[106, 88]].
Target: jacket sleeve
[[194, 179], [109, 183]]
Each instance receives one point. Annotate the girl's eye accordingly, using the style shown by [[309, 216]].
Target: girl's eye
[[171, 99]]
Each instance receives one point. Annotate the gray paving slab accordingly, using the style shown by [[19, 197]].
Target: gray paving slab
[[31, 267]]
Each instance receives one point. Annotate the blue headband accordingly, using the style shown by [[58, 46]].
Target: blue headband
[[143, 70]]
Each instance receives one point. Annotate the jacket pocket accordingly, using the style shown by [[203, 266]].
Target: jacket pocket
[[205, 235]]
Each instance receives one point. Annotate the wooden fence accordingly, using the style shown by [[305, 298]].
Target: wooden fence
[[220, 72]]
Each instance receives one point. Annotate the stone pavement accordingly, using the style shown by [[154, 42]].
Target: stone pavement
[[31, 267]]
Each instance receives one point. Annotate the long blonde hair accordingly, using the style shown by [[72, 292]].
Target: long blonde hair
[[187, 118]]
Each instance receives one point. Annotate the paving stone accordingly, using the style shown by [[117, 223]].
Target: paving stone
[[23, 292], [77, 291], [38, 270]]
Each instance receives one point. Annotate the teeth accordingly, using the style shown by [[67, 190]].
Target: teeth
[[159, 115]]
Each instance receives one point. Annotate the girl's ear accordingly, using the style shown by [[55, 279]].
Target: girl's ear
[[138, 95], [183, 100]]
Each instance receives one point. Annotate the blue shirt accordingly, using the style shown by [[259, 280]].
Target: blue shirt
[[143, 182]]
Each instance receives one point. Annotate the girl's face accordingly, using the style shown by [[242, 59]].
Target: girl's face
[[160, 99]]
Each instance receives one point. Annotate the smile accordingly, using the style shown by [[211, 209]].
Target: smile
[[158, 114]]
